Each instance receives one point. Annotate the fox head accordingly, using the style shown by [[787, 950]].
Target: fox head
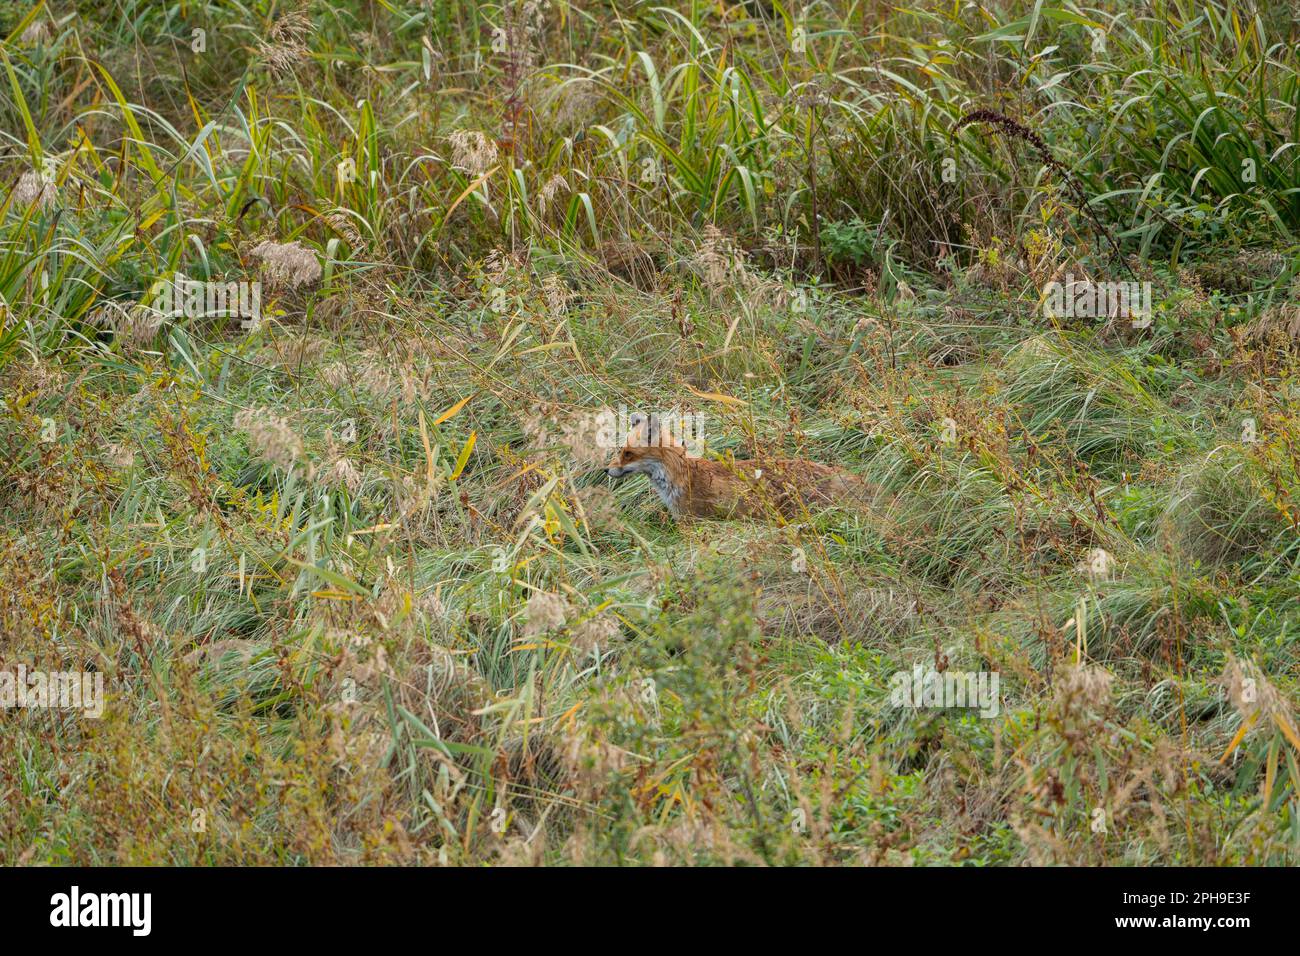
[[650, 449]]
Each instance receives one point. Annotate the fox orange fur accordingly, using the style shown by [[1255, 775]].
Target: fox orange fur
[[757, 488]]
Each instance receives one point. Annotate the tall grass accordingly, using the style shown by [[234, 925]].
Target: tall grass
[[354, 575]]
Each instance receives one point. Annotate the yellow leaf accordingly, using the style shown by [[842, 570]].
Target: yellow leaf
[[570, 712], [461, 198], [452, 411], [1284, 725], [150, 220], [716, 397], [1241, 734], [333, 595], [1270, 772], [464, 455]]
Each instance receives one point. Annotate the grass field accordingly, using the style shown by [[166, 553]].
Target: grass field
[[313, 319]]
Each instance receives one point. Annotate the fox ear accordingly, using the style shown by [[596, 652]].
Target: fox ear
[[637, 429], [661, 434], [651, 431]]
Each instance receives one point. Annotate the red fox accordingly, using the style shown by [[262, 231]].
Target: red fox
[[700, 488]]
